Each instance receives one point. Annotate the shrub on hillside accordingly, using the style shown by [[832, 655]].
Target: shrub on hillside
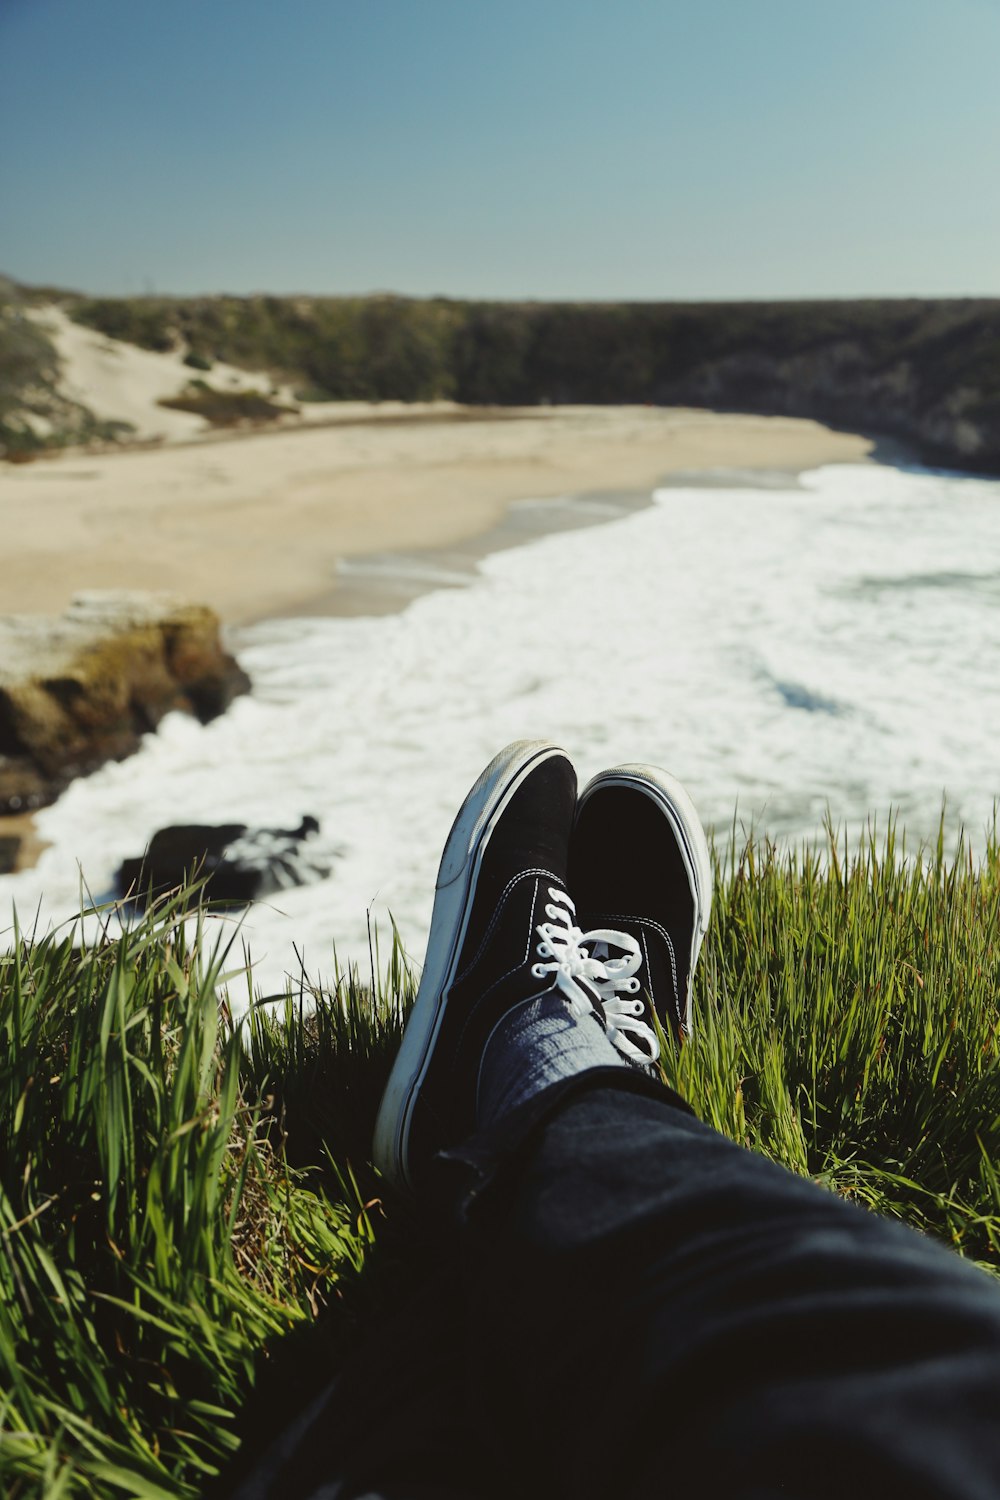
[[28, 360], [227, 408], [35, 418], [146, 321]]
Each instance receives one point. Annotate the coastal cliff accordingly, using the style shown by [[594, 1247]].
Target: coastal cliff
[[82, 689], [924, 372]]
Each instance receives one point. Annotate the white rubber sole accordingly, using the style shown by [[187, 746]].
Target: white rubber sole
[[457, 877], [672, 798]]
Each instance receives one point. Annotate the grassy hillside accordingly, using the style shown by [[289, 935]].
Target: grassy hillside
[[353, 348], [34, 415], [189, 1216]]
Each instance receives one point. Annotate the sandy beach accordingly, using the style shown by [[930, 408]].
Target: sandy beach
[[256, 523]]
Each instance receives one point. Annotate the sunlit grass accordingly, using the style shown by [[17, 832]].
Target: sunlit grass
[[849, 1026], [180, 1193], [156, 1235]]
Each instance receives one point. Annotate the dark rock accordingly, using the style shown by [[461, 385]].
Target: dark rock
[[237, 863], [81, 690], [10, 849]]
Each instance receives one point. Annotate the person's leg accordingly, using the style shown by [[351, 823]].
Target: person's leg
[[647, 1302], [649, 1305], [641, 1302], [399, 1422]]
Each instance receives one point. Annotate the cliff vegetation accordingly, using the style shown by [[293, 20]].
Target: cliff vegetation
[[925, 372]]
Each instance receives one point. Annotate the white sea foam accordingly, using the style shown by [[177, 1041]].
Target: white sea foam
[[782, 650]]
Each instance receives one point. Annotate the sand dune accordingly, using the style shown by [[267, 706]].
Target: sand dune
[[120, 382]]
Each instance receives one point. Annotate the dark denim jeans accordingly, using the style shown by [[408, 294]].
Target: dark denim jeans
[[630, 1305]]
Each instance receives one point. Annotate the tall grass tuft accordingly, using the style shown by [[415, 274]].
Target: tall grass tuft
[[156, 1236], [849, 1026], [184, 1195]]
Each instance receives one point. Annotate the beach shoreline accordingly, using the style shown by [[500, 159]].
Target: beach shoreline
[[261, 525], [360, 515]]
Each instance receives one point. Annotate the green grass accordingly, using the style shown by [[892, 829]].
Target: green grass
[[183, 1201], [156, 1235]]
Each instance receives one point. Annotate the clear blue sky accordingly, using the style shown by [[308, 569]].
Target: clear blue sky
[[509, 148]]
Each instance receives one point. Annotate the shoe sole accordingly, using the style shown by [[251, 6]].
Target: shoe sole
[[672, 799], [458, 875]]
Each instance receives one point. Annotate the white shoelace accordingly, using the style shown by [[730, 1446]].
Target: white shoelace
[[565, 945]]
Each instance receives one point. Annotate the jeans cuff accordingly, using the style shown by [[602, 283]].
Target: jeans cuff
[[463, 1179]]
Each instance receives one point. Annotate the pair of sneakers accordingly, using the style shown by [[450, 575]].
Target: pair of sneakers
[[524, 856]]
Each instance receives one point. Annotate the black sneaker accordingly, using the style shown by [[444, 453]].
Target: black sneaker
[[639, 861], [501, 932]]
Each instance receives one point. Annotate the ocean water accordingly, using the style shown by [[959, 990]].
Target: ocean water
[[830, 644]]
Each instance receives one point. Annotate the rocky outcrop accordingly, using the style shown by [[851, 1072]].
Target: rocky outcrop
[[82, 689], [236, 864], [841, 384]]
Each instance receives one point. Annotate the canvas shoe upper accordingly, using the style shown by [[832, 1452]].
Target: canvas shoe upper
[[639, 863], [503, 931]]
